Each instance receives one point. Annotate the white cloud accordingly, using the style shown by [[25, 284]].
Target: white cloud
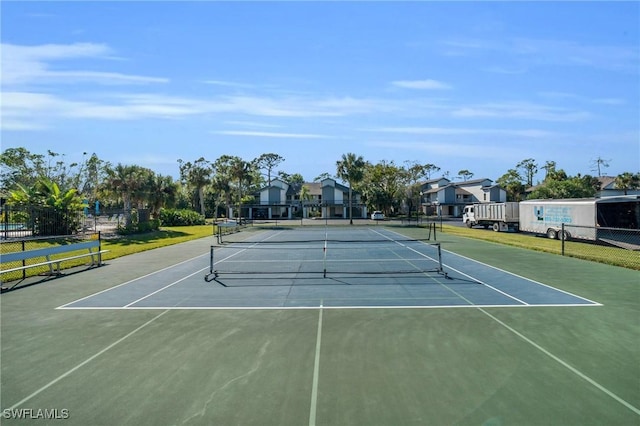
[[441, 152], [521, 110], [529, 133], [421, 84], [24, 65], [33, 111], [229, 84], [40, 108], [531, 51], [269, 134]]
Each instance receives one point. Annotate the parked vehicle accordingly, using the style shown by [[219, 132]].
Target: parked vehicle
[[580, 218], [500, 216], [377, 215]]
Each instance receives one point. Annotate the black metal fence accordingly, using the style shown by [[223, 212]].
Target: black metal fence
[[618, 246], [38, 221], [21, 222]]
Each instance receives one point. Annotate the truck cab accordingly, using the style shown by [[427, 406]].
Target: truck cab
[[468, 216]]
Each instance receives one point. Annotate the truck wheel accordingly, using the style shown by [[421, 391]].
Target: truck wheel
[[469, 224], [566, 236], [552, 234], [496, 227]]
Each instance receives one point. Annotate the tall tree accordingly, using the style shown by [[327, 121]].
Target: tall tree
[[512, 183], [305, 194], [128, 183], [196, 175], [553, 173], [382, 186], [530, 169], [465, 174], [18, 166], [162, 193], [322, 176], [268, 162], [351, 170], [294, 179], [430, 168], [413, 173], [241, 171], [567, 187]]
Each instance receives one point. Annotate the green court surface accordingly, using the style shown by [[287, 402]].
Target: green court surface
[[471, 365]]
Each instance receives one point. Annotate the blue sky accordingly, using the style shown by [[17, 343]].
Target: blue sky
[[463, 85]]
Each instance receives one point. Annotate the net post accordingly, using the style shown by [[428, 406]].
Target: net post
[[211, 262], [440, 268], [434, 234], [324, 258]]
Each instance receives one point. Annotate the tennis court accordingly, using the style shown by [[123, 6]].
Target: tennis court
[[298, 268], [327, 326]]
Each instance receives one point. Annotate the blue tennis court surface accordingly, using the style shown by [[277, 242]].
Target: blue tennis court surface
[[330, 268]]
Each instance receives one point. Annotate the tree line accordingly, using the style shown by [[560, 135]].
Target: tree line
[[211, 187]]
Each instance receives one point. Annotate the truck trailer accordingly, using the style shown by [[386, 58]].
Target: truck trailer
[[499, 216], [588, 218]]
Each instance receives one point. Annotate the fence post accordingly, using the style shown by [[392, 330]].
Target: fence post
[[562, 234], [24, 263], [99, 249]]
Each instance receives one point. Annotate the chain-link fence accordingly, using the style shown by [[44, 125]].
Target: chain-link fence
[[107, 222], [618, 246]]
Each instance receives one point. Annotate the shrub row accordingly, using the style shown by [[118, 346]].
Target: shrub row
[[173, 217]]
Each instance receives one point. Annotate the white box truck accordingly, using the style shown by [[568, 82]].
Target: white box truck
[[499, 216], [583, 218]]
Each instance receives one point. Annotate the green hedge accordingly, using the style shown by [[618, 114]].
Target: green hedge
[[182, 217]]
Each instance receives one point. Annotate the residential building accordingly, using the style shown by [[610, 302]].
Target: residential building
[[325, 199], [443, 197]]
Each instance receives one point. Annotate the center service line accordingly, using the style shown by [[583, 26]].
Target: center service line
[[316, 371]]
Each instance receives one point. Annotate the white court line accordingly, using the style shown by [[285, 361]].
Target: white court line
[[524, 278], [506, 272], [165, 287], [293, 308], [180, 280], [564, 364], [454, 269], [85, 362], [316, 371], [65, 306]]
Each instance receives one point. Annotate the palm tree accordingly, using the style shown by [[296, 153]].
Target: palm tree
[[351, 170], [197, 175], [162, 192], [627, 181], [126, 182], [222, 189], [305, 195], [241, 171]]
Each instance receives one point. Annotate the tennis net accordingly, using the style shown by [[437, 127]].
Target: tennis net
[[326, 255]]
